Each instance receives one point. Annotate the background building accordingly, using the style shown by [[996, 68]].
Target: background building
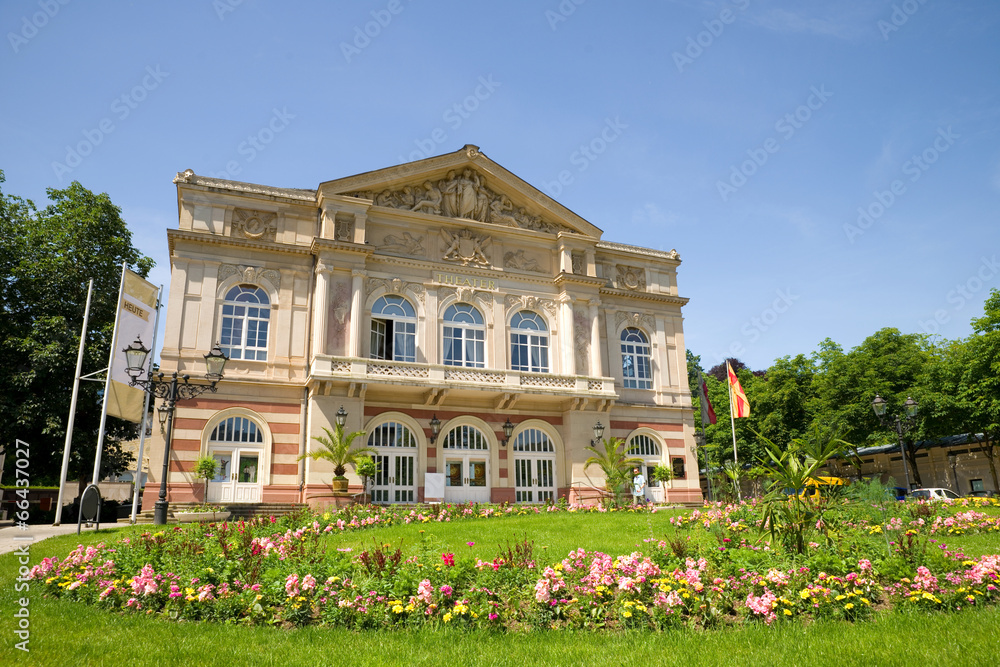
[[444, 288]]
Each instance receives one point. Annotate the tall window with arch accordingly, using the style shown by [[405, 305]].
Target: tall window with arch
[[394, 329], [396, 462], [246, 312], [464, 336], [529, 343], [534, 467], [637, 370]]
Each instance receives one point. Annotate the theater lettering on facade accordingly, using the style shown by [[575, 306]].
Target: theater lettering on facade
[[444, 288]]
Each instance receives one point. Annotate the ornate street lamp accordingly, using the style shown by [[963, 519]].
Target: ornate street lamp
[[341, 417], [598, 434], [508, 428], [902, 426], [170, 391], [435, 428]]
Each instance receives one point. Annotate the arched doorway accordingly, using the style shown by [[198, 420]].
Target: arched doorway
[[466, 465], [644, 447], [395, 480], [237, 445], [534, 467]]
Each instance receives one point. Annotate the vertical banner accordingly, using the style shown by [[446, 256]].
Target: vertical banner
[[136, 319]]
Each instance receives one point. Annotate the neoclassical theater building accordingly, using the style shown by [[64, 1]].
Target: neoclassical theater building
[[445, 292]]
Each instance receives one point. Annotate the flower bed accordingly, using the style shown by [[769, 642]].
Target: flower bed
[[712, 571]]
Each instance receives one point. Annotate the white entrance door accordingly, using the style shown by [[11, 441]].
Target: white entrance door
[[466, 479], [534, 480], [395, 480], [237, 478]]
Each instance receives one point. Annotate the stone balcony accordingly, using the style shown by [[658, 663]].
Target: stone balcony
[[424, 377]]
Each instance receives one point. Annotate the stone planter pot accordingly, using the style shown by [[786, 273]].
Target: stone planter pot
[[192, 517], [339, 485]]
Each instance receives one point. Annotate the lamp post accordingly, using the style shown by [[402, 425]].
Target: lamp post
[[171, 391], [902, 425]]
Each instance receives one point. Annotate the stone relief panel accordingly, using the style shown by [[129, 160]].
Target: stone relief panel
[[581, 339], [255, 225], [466, 247], [631, 278], [461, 195], [250, 274], [403, 244], [343, 228], [516, 259], [339, 319], [578, 266]]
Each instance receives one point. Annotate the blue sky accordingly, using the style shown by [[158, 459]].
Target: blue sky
[[825, 169]]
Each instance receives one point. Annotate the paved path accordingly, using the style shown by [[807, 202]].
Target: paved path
[[13, 538]]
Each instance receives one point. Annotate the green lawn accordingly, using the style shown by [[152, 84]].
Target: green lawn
[[68, 633]]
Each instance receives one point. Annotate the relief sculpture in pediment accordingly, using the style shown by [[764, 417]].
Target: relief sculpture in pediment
[[466, 247], [462, 195]]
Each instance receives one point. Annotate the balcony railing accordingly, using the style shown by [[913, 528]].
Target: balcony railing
[[436, 375]]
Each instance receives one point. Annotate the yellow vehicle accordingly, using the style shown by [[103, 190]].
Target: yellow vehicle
[[815, 486]]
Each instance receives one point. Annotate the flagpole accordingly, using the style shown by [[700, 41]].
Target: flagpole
[[732, 422], [72, 407], [145, 414], [107, 381]]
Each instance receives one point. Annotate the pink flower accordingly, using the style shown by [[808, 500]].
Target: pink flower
[[446, 590], [449, 559]]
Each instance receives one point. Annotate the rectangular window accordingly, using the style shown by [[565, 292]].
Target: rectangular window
[[649, 477], [379, 347], [678, 466], [977, 484]]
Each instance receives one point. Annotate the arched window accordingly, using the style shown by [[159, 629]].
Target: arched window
[[464, 336], [636, 368], [246, 312], [532, 440], [529, 343], [234, 444], [391, 434], [643, 446], [465, 437], [394, 329]]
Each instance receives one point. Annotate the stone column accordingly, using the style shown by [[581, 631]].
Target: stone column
[[321, 307], [357, 292], [566, 345], [596, 369]]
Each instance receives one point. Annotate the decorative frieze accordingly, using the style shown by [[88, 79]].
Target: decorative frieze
[[403, 244], [466, 247], [397, 286], [528, 302]]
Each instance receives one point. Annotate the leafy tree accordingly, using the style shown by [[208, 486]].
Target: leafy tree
[[979, 389], [888, 363], [46, 259]]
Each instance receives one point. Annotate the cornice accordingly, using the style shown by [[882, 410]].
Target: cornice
[[319, 245], [175, 235], [645, 296], [577, 279], [671, 256], [188, 177]]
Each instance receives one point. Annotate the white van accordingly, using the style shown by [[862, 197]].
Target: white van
[[934, 494]]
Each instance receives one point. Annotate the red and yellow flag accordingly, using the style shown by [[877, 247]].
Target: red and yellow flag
[[738, 403]]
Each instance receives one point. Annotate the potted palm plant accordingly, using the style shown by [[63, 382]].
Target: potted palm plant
[[337, 449], [615, 464]]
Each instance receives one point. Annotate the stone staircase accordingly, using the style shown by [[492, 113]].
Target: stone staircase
[[241, 511]]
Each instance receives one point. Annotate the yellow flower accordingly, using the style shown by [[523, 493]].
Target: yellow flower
[[627, 614], [397, 609], [840, 597], [849, 605], [804, 593], [788, 612], [447, 617]]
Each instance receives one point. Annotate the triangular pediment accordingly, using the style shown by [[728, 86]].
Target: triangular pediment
[[463, 185]]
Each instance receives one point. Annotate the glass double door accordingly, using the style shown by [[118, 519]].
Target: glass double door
[[395, 480], [466, 478], [534, 480], [237, 476]]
